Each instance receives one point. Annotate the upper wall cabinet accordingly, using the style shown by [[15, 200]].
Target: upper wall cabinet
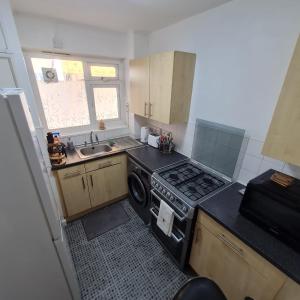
[[283, 139], [3, 45], [139, 86], [161, 86]]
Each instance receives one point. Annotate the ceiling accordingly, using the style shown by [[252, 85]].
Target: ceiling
[[119, 15]]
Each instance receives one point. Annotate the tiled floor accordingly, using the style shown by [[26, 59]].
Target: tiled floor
[[124, 263]]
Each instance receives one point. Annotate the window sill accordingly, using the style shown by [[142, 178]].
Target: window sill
[[113, 130]]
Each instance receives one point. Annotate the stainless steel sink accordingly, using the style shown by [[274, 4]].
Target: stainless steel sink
[[107, 147], [94, 150]]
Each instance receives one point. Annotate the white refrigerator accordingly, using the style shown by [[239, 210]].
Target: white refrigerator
[[35, 261]]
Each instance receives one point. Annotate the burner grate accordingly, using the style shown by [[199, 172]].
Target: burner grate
[[181, 174], [193, 182]]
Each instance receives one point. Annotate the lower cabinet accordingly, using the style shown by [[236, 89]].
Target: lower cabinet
[[93, 184], [237, 269], [75, 190], [290, 291], [107, 183]]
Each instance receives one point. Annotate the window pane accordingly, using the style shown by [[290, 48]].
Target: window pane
[[103, 71], [106, 102], [62, 91]]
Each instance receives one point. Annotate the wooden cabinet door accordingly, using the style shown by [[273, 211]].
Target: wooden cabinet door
[[75, 192], [139, 86], [107, 184], [7, 79], [223, 262], [182, 86], [161, 74], [290, 291], [283, 140]]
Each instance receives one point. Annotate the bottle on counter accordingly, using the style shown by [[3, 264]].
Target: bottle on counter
[[50, 138], [70, 145], [101, 124]]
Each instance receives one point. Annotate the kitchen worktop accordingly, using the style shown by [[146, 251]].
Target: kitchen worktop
[[224, 208], [152, 159], [123, 144]]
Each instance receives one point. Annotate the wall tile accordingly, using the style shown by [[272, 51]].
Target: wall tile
[[269, 163], [255, 147], [251, 163], [245, 176], [79, 139], [291, 170]]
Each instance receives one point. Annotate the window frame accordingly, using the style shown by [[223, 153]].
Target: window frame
[[102, 78], [92, 85], [90, 82]]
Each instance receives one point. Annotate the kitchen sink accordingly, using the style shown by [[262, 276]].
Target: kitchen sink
[[93, 150], [106, 147]]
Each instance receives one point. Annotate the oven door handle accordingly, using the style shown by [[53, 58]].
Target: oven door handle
[[174, 237], [160, 199]]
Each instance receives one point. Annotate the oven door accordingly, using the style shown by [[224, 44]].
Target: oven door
[[137, 189], [175, 244]]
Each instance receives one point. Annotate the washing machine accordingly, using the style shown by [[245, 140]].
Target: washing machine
[[139, 186]]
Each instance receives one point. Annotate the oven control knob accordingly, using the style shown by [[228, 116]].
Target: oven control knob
[[184, 208], [168, 195], [160, 188], [172, 198]]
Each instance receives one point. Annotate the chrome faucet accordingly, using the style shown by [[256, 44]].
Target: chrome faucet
[[91, 138]]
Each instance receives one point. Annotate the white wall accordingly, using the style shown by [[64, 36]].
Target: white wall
[[50, 34], [14, 52], [40, 33], [243, 51]]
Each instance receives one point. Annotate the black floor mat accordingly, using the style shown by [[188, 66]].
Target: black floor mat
[[103, 220]]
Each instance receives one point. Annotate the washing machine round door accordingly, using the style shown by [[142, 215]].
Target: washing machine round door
[[137, 189]]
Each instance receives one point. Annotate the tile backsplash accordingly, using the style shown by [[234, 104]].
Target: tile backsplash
[[254, 163], [79, 139], [251, 163]]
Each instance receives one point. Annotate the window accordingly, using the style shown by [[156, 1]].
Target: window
[[102, 71], [75, 93], [63, 96], [106, 102]]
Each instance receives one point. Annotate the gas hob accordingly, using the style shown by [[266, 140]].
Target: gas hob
[[187, 184]]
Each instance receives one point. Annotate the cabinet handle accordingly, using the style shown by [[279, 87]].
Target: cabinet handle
[[83, 183], [231, 245], [145, 109], [106, 165], [150, 110], [68, 175], [92, 182]]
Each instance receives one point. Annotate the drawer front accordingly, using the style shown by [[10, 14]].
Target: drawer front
[[261, 265], [71, 172], [104, 162]]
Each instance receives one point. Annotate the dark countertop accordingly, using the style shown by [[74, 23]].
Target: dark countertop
[[152, 159], [224, 208]]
